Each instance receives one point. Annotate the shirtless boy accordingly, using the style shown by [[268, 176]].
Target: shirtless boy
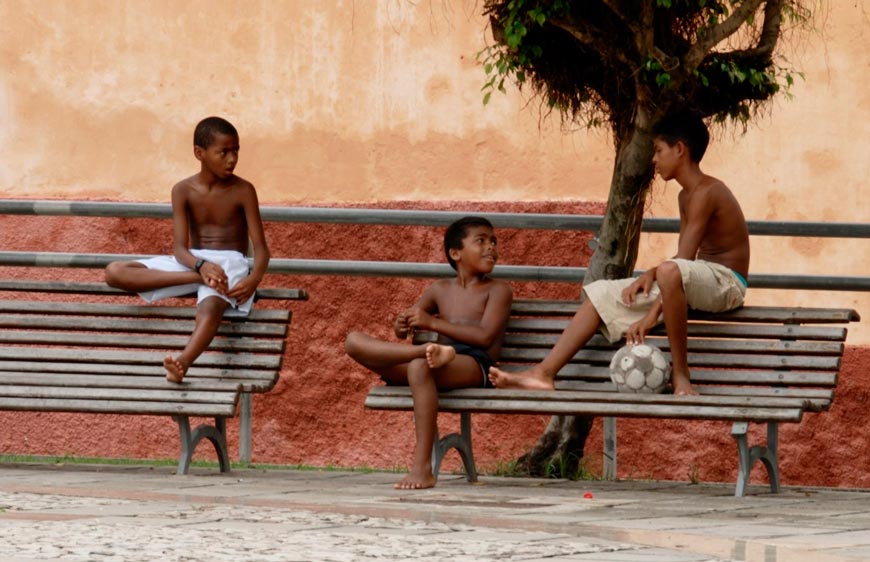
[[214, 214], [469, 312], [708, 273]]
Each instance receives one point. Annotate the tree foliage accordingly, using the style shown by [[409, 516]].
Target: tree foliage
[[595, 61]]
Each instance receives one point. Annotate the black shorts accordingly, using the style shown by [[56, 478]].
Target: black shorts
[[480, 355]]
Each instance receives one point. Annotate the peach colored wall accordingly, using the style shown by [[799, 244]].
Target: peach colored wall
[[365, 101]]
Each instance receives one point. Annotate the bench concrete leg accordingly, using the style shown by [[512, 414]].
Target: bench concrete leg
[[246, 409], [459, 441], [748, 456], [217, 434]]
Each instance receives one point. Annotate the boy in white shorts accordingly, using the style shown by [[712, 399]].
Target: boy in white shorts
[[215, 215], [708, 272]]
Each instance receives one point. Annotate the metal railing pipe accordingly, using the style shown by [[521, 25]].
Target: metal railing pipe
[[404, 217], [355, 268]]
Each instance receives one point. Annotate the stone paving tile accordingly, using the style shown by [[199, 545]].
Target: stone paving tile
[[99, 514]]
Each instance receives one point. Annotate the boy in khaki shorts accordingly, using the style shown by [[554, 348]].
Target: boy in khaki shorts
[[708, 272]]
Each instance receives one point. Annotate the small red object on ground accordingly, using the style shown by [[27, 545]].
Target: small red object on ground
[[587, 495]]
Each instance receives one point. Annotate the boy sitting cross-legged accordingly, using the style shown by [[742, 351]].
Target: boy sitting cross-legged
[[469, 312]]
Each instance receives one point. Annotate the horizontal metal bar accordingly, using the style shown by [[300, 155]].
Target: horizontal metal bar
[[403, 217], [426, 270]]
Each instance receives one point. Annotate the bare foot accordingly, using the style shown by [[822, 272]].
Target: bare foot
[[533, 379], [682, 386], [439, 355], [175, 369], [415, 481]]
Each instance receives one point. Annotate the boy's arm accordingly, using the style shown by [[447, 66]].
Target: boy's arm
[[181, 227], [698, 210], [243, 290], [484, 334]]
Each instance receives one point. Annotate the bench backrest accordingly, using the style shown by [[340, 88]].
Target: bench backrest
[[93, 331], [761, 351]]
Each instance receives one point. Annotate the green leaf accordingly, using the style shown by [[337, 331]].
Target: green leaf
[[486, 97]]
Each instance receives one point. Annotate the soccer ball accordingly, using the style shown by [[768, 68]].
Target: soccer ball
[[640, 368]]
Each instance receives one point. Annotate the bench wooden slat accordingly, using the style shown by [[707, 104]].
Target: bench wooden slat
[[138, 341], [704, 329], [180, 394], [770, 314], [117, 407], [548, 396], [131, 310], [701, 376], [145, 326], [725, 413], [136, 357], [729, 360], [69, 287], [547, 341], [157, 381]]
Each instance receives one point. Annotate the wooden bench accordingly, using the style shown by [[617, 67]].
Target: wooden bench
[[753, 365], [85, 352]]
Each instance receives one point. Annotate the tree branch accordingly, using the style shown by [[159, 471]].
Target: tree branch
[[596, 43], [709, 37], [769, 33]]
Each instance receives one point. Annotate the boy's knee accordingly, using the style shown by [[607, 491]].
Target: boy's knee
[[353, 344], [113, 274], [418, 371], [669, 277], [211, 308]]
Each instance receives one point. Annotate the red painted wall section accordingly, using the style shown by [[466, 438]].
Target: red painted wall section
[[315, 414]]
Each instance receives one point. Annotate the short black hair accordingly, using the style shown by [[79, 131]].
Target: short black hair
[[206, 130], [457, 231], [684, 126]]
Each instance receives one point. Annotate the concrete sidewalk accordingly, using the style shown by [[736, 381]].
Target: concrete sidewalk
[[137, 513]]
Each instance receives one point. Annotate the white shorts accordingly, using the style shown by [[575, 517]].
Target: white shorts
[[709, 286], [234, 264]]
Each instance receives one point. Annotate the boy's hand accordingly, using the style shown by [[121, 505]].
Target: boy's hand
[[402, 328], [642, 284], [214, 276], [243, 290], [637, 331], [419, 318]]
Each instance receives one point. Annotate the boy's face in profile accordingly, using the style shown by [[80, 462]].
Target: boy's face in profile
[[667, 157], [221, 155], [479, 251]]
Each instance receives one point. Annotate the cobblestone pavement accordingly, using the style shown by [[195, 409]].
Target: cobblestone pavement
[[108, 513]]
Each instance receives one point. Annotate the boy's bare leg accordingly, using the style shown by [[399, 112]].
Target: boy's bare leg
[[461, 372], [676, 311], [542, 376], [388, 359], [208, 319], [133, 276]]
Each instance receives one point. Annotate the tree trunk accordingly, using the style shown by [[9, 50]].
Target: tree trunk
[[559, 450]]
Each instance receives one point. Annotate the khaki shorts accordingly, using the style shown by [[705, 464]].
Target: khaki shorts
[[234, 264], [709, 286]]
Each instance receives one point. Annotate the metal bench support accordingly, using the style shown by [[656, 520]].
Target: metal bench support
[[217, 434], [246, 410], [748, 456], [609, 448], [459, 441]]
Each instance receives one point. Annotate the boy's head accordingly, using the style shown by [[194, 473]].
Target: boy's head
[[456, 233], [685, 127], [209, 128]]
